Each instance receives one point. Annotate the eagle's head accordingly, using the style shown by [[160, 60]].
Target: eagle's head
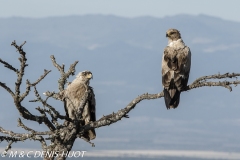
[[84, 76], [173, 34]]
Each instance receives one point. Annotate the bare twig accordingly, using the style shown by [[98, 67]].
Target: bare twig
[[226, 84], [23, 64], [7, 65], [32, 130], [3, 85], [29, 85], [41, 77], [216, 76], [9, 146], [64, 76], [18, 136], [57, 96], [44, 102]]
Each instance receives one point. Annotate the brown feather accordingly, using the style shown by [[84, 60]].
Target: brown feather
[[73, 97], [176, 63]]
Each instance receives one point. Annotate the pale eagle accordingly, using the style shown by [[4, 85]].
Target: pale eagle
[[176, 63], [73, 96]]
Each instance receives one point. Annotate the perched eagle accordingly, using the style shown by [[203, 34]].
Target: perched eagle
[[176, 63], [73, 95]]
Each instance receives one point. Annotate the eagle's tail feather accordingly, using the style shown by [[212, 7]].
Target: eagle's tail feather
[[167, 98], [92, 134], [175, 100], [171, 96]]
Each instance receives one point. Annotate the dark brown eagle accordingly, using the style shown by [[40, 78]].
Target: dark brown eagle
[[73, 96], [176, 63]]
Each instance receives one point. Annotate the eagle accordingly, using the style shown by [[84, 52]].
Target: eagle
[[73, 96], [176, 63]]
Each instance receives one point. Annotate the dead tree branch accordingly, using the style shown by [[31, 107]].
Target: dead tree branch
[[63, 135]]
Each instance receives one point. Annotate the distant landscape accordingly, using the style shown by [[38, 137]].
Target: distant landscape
[[124, 55]]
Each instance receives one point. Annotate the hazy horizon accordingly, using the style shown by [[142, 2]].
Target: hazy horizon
[[227, 10], [124, 55]]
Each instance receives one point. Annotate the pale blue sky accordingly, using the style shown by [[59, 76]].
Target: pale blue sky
[[226, 9]]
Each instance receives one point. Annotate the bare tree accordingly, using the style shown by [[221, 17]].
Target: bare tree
[[63, 135]]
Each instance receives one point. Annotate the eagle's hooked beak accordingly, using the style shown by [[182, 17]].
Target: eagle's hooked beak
[[90, 76], [166, 35]]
